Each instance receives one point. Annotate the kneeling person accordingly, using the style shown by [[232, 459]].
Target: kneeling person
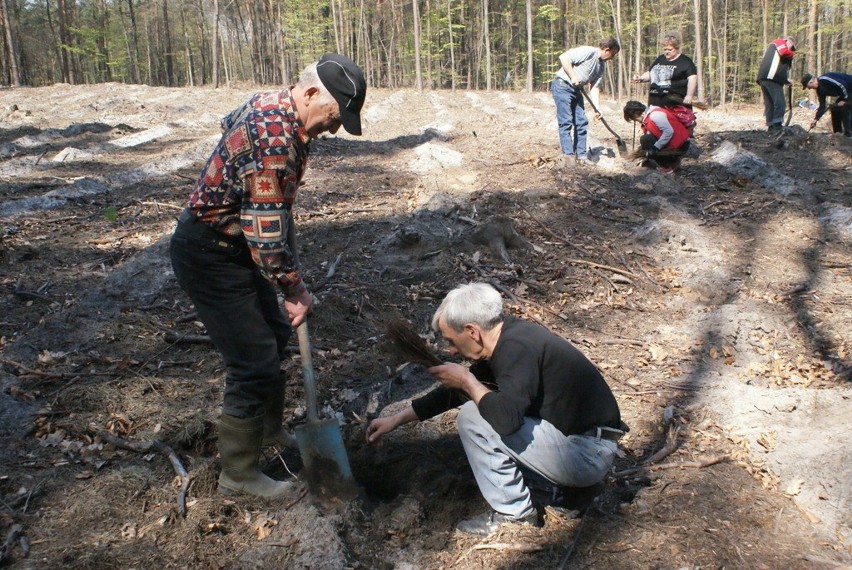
[[665, 138], [531, 402]]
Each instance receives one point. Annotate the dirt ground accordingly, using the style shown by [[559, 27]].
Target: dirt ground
[[716, 301]]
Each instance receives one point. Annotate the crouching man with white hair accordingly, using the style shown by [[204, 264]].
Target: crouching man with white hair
[[534, 409]]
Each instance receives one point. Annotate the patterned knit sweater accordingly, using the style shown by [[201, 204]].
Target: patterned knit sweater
[[249, 184]]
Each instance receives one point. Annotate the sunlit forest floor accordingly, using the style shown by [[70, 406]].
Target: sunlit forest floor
[[716, 301]]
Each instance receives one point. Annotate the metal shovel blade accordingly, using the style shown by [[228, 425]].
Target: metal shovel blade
[[326, 466], [320, 444]]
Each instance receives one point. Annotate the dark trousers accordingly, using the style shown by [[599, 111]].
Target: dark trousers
[[774, 103], [240, 310], [841, 119], [669, 159]]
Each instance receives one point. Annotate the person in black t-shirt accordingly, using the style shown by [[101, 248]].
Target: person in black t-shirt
[[533, 407], [673, 76]]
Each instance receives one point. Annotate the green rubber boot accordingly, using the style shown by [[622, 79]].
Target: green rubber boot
[[273, 432], [239, 448]]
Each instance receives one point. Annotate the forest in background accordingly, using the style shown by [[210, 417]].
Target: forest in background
[[432, 44]]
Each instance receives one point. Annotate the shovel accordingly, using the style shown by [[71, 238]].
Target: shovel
[[622, 146], [320, 443], [789, 105]]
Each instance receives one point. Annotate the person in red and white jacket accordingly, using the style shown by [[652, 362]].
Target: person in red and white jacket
[[772, 75], [665, 138]]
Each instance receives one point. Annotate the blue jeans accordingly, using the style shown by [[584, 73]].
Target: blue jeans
[[570, 461], [239, 309], [571, 118]]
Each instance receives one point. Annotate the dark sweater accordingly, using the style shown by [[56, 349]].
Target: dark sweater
[[537, 374]]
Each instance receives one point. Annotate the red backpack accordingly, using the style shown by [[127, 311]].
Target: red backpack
[[683, 114]]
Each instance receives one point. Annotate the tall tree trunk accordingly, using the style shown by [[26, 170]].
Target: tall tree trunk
[[167, 46], [616, 22], [190, 60], [452, 47], [710, 69], [638, 63], [134, 36], [11, 46], [812, 39], [104, 70], [486, 36], [723, 68], [529, 47], [429, 52], [279, 30], [699, 56], [418, 73], [216, 44], [62, 15], [334, 24]]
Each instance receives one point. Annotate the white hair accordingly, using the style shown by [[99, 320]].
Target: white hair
[[473, 303], [310, 78]]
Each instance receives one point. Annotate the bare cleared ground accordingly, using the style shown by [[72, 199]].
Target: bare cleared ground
[[716, 302]]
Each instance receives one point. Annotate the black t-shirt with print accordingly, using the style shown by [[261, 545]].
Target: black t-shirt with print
[[669, 80]]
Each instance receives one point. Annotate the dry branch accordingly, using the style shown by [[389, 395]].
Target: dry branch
[[691, 464], [155, 445], [564, 562], [606, 267], [668, 449], [504, 546], [175, 338]]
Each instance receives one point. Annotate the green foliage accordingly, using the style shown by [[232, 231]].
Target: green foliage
[[282, 36], [111, 214]]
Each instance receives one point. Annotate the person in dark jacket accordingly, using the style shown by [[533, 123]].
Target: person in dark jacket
[[772, 75], [839, 86], [531, 405]]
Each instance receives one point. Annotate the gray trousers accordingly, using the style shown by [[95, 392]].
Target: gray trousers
[[570, 461], [774, 104]]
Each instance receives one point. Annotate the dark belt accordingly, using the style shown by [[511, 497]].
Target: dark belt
[[187, 216], [189, 225], [604, 432]]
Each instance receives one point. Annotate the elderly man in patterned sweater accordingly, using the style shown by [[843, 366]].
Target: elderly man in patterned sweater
[[232, 247]]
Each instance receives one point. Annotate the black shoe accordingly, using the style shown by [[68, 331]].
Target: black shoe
[[487, 523], [547, 494]]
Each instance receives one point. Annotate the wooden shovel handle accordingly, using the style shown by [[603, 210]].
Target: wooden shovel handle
[[307, 371]]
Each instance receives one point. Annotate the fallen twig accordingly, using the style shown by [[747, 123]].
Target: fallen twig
[[519, 301], [564, 562], [24, 372], [158, 204], [668, 449], [691, 464], [146, 446], [29, 296], [175, 338], [606, 267], [505, 546]]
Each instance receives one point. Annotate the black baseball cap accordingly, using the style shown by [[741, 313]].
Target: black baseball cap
[[345, 81], [806, 78]]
